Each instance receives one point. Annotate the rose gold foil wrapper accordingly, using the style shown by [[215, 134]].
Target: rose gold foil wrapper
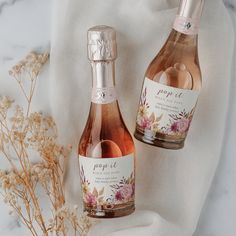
[[191, 9], [102, 43]]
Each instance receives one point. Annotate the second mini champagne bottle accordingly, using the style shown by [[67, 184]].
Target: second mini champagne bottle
[[172, 83], [106, 148]]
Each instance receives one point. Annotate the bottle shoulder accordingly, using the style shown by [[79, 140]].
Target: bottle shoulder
[[105, 134], [179, 48], [177, 66]]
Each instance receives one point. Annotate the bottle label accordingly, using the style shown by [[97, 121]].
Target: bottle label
[[107, 182], [186, 25], [164, 109], [103, 95]]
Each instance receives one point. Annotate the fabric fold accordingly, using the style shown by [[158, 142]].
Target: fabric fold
[[140, 223]]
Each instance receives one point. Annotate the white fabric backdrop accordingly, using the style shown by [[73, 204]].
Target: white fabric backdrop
[[171, 185]]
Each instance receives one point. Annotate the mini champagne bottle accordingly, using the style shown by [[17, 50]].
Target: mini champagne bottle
[[172, 83], [106, 149]]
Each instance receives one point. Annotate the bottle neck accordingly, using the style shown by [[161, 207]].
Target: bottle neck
[[188, 17], [187, 40], [103, 83]]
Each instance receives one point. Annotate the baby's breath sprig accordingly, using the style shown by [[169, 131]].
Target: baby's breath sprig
[[22, 134], [27, 70]]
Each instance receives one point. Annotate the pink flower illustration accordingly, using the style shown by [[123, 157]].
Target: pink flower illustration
[[180, 125], [183, 125], [146, 123], [125, 192], [90, 199]]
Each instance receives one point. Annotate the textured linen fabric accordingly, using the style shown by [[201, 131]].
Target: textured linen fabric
[[171, 185]]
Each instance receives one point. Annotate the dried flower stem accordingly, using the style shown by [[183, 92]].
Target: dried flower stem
[[24, 166], [25, 131]]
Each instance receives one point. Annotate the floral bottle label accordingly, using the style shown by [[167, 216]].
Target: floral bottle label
[[103, 95], [107, 182], [186, 25], [166, 109]]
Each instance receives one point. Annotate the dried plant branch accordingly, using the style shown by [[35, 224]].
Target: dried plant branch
[[22, 133]]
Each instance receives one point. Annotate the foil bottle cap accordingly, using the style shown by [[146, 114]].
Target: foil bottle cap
[[191, 9], [102, 43]]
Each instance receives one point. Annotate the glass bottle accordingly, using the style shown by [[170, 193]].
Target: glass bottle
[[172, 83], [106, 149]]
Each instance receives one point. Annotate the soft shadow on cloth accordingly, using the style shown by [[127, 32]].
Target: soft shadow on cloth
[[171, 185]]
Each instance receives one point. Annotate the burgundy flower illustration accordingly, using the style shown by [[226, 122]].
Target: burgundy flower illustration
[[119, 196], [174, 127]]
